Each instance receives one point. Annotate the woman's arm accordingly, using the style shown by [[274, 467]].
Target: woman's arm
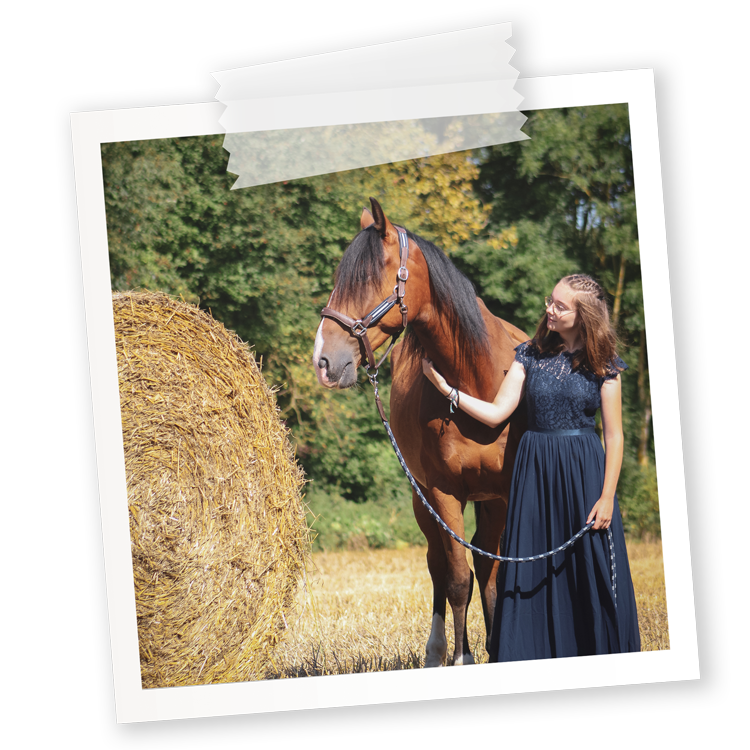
[[613, 443], [505, 403]]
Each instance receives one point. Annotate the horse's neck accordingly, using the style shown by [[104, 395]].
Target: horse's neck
[[474, 377]]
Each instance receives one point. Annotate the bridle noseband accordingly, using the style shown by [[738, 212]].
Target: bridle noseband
[[359, 327]]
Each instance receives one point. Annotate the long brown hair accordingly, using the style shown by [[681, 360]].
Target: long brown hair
[[599, 338]]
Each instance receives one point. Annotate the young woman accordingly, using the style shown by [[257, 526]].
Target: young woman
[[562, 478]]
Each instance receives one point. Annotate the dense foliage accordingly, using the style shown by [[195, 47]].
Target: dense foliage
[[513, 217]]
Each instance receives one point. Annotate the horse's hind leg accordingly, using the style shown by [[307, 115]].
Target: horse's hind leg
[[490, 524], [437, 645]]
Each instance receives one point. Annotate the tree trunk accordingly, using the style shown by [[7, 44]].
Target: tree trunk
[[644, 399], [618, 293]]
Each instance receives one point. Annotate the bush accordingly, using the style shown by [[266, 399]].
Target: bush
[[639, 501], [337, 523]]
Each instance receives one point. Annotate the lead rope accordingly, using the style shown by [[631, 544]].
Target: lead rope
[[372, 374]]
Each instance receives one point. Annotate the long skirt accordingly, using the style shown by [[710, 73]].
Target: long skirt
[[564, 605]]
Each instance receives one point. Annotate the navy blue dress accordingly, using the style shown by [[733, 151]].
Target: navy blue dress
[[564, 605]]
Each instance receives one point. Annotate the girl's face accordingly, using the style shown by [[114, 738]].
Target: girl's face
[[562, 315]]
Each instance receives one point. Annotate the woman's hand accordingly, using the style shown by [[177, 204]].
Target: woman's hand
[[601, 513], [435, 377], [491, 413]]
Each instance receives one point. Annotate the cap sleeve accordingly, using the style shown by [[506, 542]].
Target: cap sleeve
[[524, 354], [615, 368]]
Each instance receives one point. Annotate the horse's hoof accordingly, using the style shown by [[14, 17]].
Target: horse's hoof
[[437, 647], [463, 660]]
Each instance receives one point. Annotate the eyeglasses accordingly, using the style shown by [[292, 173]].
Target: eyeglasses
[[556, 308]]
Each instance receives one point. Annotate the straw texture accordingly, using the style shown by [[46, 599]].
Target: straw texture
[[217, 522]]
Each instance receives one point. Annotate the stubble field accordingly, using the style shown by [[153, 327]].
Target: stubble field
[[370, 610]]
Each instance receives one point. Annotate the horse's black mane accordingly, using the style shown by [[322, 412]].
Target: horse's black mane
[[360, 269], [453, 294]]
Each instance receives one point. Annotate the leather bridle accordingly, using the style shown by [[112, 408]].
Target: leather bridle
[[359, 327]]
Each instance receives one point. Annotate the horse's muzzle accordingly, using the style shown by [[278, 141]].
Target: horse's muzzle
[[341, 373]]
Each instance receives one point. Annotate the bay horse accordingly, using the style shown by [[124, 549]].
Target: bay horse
[[454, 458]]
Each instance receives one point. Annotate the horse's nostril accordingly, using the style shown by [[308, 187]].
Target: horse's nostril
[[322, 363]]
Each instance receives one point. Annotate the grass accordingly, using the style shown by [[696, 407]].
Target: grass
[[647, 570], [369, 610]]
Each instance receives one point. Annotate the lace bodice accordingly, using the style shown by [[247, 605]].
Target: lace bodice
[[557, 397]]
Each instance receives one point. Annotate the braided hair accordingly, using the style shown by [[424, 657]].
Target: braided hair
[[599, 338]]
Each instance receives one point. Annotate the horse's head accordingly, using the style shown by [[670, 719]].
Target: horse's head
[[367, 276]]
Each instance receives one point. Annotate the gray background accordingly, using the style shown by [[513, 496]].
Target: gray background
[[695, 94]]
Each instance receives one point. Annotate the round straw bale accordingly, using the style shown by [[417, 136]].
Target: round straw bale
[[217, 522]]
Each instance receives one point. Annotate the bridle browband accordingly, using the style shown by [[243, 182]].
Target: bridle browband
[[359, 327]]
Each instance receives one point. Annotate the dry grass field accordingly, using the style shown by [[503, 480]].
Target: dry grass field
[[370, 610], [647, 569]]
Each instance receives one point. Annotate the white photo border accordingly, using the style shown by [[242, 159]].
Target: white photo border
[[133, 704]]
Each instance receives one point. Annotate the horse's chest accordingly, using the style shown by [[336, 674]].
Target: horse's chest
[[449, 450], [471, 454]]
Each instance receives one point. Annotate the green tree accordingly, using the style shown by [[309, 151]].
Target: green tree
[[565, 202], [515, 218], [262, 261]]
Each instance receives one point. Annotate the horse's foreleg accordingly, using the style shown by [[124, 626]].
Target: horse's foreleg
[[459, 579], [490, 524], [437, 645]]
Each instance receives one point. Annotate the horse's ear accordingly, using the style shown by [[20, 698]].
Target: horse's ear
[[384, 227], [366, 219]]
